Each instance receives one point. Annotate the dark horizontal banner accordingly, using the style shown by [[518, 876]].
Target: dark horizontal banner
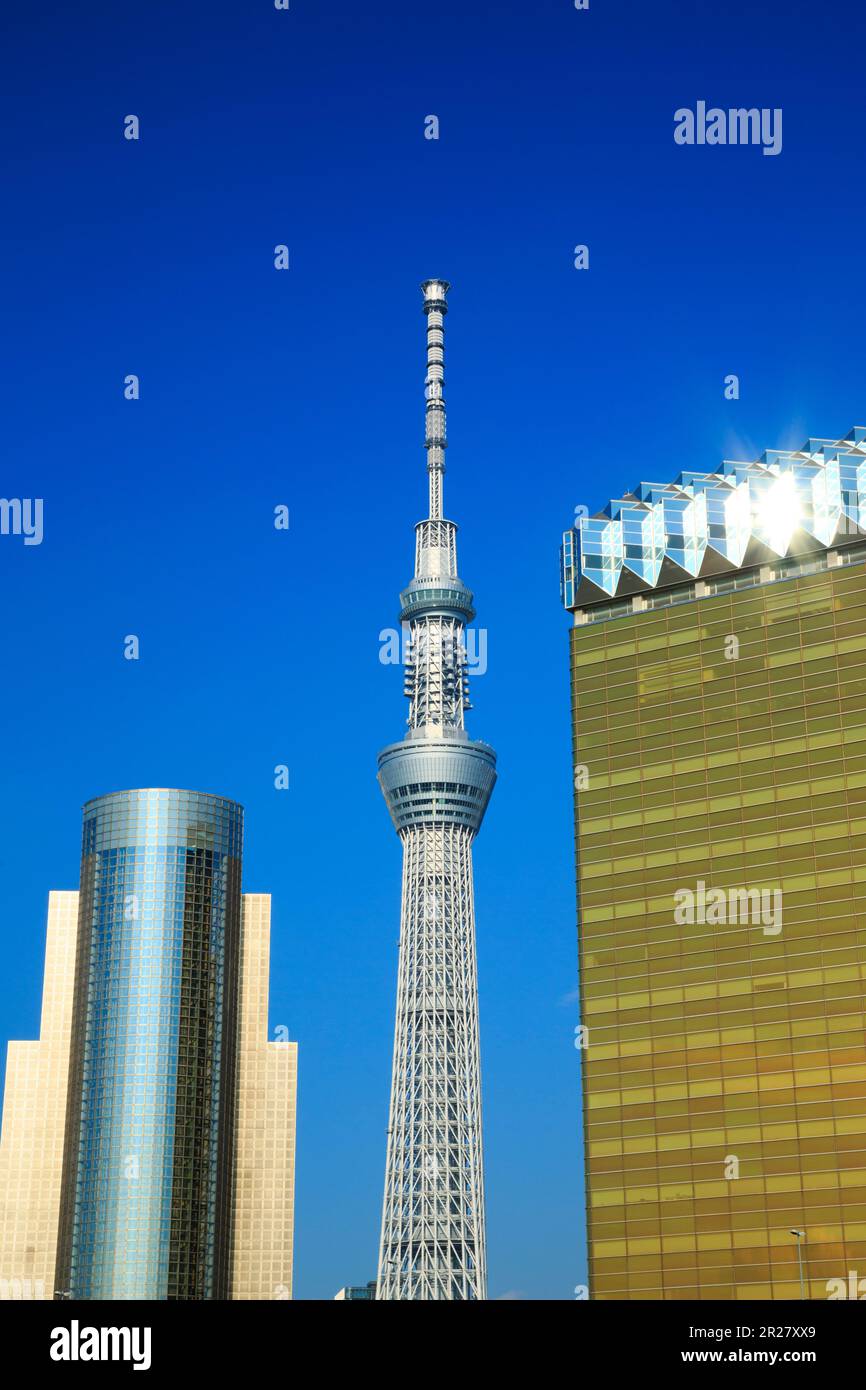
[[265, 1338]]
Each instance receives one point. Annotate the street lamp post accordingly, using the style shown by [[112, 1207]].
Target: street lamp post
[[800, 1237]]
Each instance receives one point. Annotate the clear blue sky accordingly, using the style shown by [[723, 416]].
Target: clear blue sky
[[261, 127]]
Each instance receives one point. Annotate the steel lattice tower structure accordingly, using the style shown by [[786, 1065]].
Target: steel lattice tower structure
[[437, 783]]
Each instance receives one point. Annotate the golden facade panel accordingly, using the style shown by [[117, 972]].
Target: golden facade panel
[[721, 828]]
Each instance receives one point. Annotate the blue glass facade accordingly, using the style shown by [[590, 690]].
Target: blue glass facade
[[147, 1166]]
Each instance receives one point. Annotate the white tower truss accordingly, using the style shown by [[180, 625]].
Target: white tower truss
[[437, 783]]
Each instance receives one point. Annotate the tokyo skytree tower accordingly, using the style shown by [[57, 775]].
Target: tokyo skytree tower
[[437, 783]]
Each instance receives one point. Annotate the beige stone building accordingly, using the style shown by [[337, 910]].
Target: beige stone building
[[264, 1192], [34, 1115]]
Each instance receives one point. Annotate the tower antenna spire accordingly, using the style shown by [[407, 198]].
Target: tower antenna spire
[[435, 440]]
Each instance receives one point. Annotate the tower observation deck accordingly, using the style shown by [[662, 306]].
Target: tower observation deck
[[437, 783]]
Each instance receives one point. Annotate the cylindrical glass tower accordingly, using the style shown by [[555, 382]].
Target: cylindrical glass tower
[[146, 1200]]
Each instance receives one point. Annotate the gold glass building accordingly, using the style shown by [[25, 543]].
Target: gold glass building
[[719, 726], [253, 1124]]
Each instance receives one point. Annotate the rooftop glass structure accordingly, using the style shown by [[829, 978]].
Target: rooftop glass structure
[[787, 502]]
